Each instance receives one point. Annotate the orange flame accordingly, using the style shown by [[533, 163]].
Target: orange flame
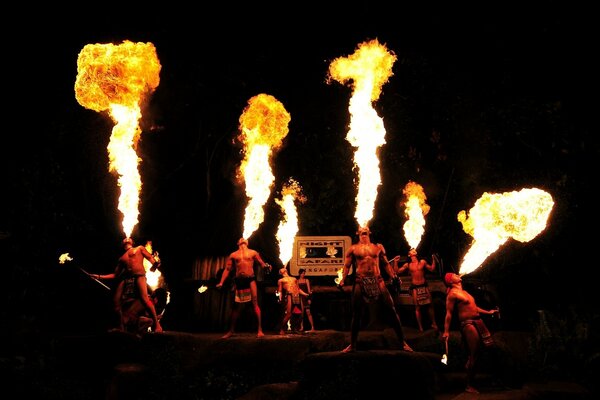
[[153, 278], [369, 68], [288, 227], [263, 126], [497, 217], [116, 78], [340, 274], [415, 209]]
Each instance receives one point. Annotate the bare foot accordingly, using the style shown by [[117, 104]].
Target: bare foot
[[282, 332], [158, 328], [260, 334], [312, 331], [348, 349], [406, 347], [471, 389], [227, 335]]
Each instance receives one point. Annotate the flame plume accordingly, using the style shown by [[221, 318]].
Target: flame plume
[[263, 126], [369, 68], [288, 227], [415, 209], [496, 217], [117, 78]]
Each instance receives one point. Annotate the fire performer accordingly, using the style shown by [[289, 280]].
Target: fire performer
[[245, 282], [369, 285], [130, 271], [289, 295], [419, 289], [473, 329], [304, 284]]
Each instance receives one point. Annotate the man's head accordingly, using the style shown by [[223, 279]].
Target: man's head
[[242, 241], [412, 252], [363, 231], [283, 271], [127, 242], [451, 278]]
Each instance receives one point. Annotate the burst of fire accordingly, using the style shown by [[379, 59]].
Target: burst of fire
[[415, 209], [288, 226], [153, 278], [64, 258], [496, 217], [117, 78], [368, 68], [263, 126], [340, 274], [202, 289]]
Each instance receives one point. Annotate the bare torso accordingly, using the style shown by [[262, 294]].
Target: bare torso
[[289, 284], [464, 303], [367, 258], [417, 271], [132, 260], [243, 260]]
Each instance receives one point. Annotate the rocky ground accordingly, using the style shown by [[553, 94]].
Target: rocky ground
[[178, 365]]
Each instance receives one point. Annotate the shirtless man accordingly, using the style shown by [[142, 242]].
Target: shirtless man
[[245, 282], [289, 292], [131, 267], [419, 289], [369, 285], [472, 328]]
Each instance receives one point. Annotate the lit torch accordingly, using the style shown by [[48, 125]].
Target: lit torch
[[369, 68], [263, 126], [496, 217], [153, 277], [415, 210], [340, 274], [116, 78]]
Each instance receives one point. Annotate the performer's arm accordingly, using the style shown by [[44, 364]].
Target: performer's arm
[[347, 264], [226, 272]]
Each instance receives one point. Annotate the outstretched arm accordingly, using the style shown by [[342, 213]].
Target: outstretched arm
[[226, 272], [386, 263], [431, 267], [449, 310], [347, 264], [259, 259]]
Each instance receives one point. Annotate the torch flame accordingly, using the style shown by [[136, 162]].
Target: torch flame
[[288, 227], [263, 126], [497, 217], [202, 289], [415, 209], [340, 274], [153, 278], [116, 78], [64, 258], [369, 68]]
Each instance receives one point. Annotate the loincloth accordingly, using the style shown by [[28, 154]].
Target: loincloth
[[421, 293], [243, 293], [369, 286], [484, 333], [130, 289]]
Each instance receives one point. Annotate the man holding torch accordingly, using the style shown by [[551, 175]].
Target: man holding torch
[[130, 269], [472, 327]]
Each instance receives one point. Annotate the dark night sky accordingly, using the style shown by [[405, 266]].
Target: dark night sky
[[495, 101]]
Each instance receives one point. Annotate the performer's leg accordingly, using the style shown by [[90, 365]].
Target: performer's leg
[[254, 293]]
